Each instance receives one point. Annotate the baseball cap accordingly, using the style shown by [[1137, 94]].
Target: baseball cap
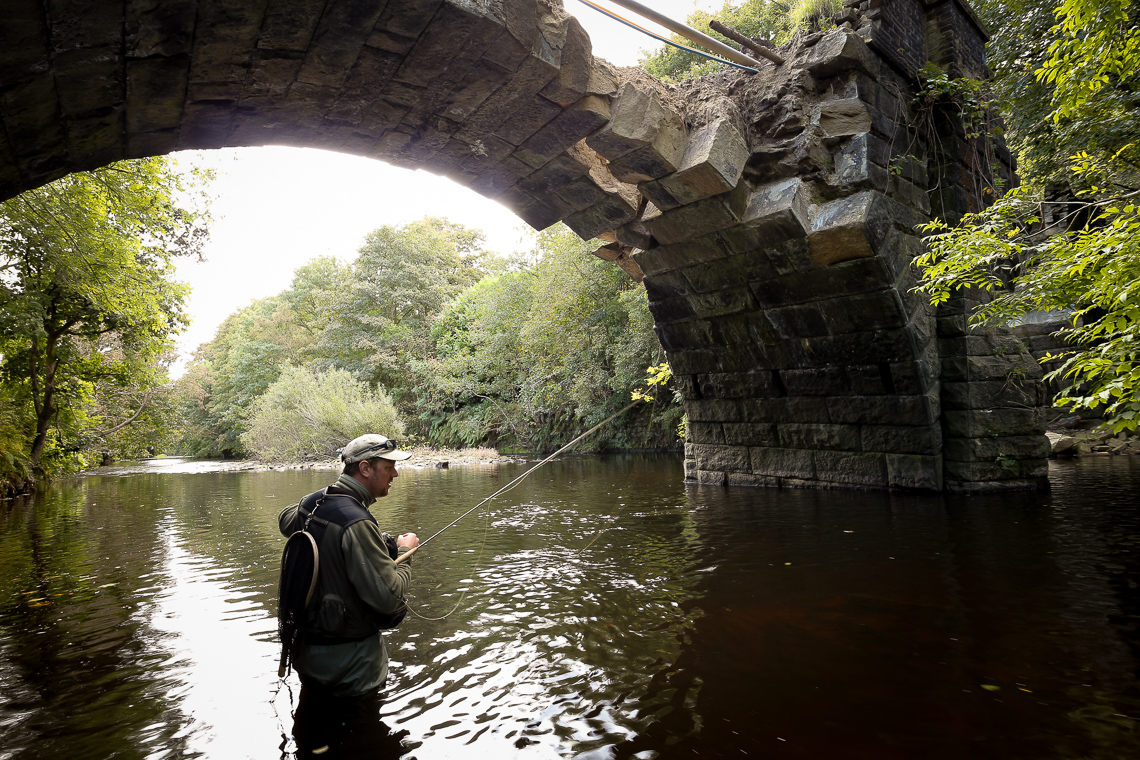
[[372, 445]]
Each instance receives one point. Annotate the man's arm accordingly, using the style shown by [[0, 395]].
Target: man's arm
[[381, 583]]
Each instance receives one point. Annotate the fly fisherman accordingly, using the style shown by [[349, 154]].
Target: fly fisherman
[[360, 589]]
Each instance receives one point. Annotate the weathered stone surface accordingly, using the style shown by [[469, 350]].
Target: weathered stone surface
[[724, 458], [840, 51], [854, 468], [911, 471], [993, 449], [782, 463], [849, 228], [816, 436], [640, 120], [701, 218], [844, 118], [992, 423], [712, 164], [924, 439]]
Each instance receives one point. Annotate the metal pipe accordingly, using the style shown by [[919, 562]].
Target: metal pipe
[[688, 32], [736, 36]]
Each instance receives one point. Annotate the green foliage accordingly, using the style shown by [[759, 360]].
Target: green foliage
[[530, 358], [813, 15], [765, 19], [552, 342], [971, 98], [87, 296], [1079, 258], [379, 315], [1091, 272], [312, 414]]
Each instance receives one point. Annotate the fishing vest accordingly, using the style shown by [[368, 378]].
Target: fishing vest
[[337, 614]]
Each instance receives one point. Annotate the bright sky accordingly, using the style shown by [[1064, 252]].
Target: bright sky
[[276, 208]]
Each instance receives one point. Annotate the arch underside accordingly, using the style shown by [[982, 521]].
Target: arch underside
[[767, 214]]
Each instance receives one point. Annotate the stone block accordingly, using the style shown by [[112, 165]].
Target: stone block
[[643, 164], [635, 235], [750, 479], [740, 384], [851, 468], [907, 471], [670, 310], [861, 313], [701, 218], [992, 423], [681, 255], [775, 213], [785, 409], [990, 394], [612, 211], [993, 449], [848, 228], [750, 434], [901, 439], [711, 478], [803, 321], [724, 458], [1005, 469], [721, 302], [708, 432], [818, 381], [799, 435], [154, 94], [639, 119], [841, 50], [695, 361], [729, 272], [713, 410], [576, 66], [871, 347], [877, 410], [782, 463], [844, 117], [563, 131], [690, 467], [712, 164], [690, 334], [975, 368]]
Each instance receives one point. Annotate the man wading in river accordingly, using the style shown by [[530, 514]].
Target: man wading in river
[[360, 589]]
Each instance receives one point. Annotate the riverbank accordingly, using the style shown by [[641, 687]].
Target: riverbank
[[422, 456]]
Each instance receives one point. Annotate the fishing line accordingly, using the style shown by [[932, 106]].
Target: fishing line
[[408, 554], [514, 483]]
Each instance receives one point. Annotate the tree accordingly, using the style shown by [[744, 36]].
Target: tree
[[379, 317], [85, 258], [1079, 255], [531, 357], [307, 414]]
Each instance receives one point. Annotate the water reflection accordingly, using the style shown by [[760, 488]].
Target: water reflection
[[604, 610]]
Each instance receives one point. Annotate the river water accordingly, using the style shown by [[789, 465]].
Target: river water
[[602, 609]]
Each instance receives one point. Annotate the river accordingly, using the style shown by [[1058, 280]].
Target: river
[[602, 609]]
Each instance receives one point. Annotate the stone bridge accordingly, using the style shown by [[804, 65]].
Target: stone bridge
[[770, 215]]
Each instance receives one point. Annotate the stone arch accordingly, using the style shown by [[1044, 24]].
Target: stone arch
[[759, 210]]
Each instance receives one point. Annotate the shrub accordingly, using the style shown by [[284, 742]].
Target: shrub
[[306, 414]]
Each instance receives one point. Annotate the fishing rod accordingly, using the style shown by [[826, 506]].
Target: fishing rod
[[408, 554]]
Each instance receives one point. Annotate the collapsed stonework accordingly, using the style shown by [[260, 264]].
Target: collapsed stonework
[[771, 215]]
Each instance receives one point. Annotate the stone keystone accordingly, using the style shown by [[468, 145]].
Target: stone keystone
[[846, 229], [650, 137], [712, 164]]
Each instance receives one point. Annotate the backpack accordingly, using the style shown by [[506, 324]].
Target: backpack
[[300, 570]]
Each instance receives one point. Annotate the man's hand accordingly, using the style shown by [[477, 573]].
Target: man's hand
[[407, 541]]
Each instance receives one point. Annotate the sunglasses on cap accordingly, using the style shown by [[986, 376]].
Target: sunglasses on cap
[[388, 445]]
